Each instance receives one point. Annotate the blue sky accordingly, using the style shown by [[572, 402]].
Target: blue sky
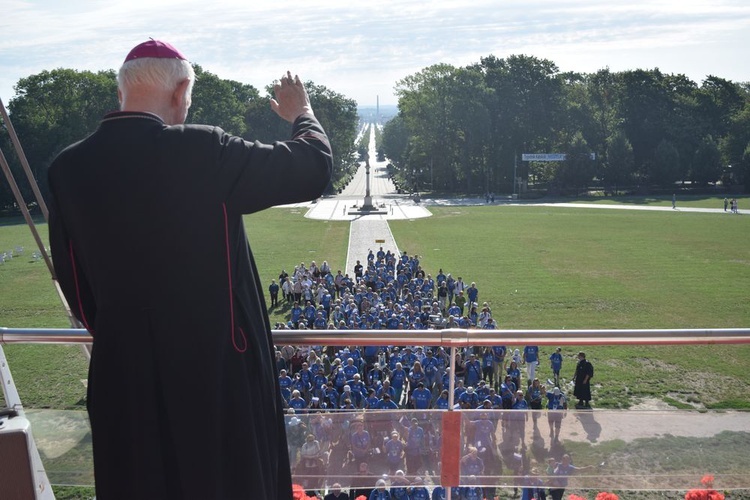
[[361, 49]]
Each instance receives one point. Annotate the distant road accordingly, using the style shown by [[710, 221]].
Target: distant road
[[380, 185]]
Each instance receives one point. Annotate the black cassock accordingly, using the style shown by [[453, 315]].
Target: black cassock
[[150, 249]]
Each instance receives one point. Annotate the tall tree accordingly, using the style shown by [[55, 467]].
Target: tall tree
[[665, 169], [618, 163], [338, 115], [53, 109], [220, 102], [525, 109], [706, 164]]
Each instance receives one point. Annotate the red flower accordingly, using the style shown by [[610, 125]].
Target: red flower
[[298, 493], [607, 496], [704, 495], [707, 481]]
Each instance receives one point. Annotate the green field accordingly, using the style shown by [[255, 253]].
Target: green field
[[538, 267]]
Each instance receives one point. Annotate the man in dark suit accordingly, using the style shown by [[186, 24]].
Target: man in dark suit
[[149, 247]]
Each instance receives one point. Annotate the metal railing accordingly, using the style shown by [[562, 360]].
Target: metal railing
[[449, 337], [612, 446]]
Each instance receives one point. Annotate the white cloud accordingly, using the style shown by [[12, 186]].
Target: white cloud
[[361, 49]]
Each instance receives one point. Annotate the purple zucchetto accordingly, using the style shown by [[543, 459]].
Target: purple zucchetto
[[154, 48]]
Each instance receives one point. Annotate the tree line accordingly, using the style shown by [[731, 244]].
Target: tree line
[[464, 129], [53, 109]]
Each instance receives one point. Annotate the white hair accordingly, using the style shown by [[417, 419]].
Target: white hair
[[158, 73]]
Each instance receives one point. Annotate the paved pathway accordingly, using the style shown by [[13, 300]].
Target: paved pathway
[[368, 231]]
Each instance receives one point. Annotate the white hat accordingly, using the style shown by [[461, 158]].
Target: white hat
[[556, 391]]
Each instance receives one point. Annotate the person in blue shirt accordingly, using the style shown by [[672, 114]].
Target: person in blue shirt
[[331, 397], [398, 379], [469, 399], [484, 435], [299, 384], [531, 358], [430, 364], [285, 383], [347, 395], [508, 392], [483, 390], [309, 312], [562, 470], [515, 374], [386, 388], [534, 395], [386, 403], [408, 358], [533, 489], [394, 452], [400, 486], [375, 376], [358, 390], [371, 401], [418, 491], [556, 404], [454, 310], [415, 442], [297, 402], [498, 367], [488, 362], [296, 313], [473, 371], [496, 402], [350, 369], [416, 376], [518, 418], [471, 464], [472, 292], [555, 360], [320, 322], [319, 380], [339, 379], [380, 493], [421, 397], [442, 402], [360, 442]]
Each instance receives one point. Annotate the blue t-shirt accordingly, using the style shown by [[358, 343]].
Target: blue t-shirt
[[422, 398], [499, 352], [531, 353], [556, 361]]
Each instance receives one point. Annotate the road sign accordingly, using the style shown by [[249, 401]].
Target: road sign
[[547, 156]]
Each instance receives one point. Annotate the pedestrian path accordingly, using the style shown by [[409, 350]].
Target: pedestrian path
[[338, 209], [365, 234]]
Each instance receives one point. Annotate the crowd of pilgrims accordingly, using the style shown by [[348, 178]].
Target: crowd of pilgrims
[[326, 388], [388, 292]]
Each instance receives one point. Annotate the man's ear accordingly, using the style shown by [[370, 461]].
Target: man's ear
[[180, 95]]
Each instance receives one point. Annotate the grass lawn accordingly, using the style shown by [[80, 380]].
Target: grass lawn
[[693, 201], [538, 267]]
